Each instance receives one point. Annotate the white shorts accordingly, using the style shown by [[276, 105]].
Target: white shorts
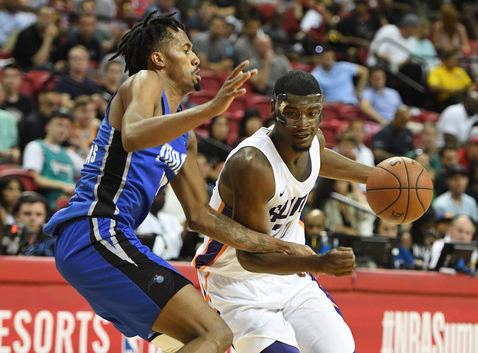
[[290, 309]]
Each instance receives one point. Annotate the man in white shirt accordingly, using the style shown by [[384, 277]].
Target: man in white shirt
[[456, 121]]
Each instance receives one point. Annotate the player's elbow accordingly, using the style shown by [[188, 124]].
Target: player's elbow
[[130, 142]]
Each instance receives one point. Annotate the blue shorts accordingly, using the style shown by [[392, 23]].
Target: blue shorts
[[122, 280]]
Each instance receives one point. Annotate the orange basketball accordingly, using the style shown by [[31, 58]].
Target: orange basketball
[[399, 190]]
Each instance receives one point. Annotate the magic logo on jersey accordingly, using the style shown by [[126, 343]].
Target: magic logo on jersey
[[172, 158], [289, 209]]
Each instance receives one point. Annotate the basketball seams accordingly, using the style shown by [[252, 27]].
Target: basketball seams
[[418, 196], [408, 189]]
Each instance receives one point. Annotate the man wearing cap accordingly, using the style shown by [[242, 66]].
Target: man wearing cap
[[455, 200], [53, 166]]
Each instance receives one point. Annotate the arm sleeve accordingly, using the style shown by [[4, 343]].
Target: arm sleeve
[[33, 157]]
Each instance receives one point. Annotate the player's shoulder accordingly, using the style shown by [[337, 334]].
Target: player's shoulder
[[142, 82], [249, 162]]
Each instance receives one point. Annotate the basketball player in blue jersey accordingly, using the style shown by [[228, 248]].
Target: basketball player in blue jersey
[[142, 145], [264, 185]]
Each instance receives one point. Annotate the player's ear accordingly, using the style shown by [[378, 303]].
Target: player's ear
[[157, 59]]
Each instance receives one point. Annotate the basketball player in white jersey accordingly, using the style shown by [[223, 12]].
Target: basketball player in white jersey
[[268, 300]]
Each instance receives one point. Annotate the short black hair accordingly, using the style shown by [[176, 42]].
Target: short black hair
[[139, 42], [297, 82]]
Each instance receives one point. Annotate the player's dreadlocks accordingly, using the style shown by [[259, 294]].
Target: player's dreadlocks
[[140, 41]]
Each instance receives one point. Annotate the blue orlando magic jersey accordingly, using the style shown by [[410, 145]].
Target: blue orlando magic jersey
[[121, 185]]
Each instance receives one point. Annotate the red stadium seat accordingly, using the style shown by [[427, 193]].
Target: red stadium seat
[[41, 79], [198, 98], [329, 112], [348, 111], [240, 103], [297, 65], [263, 105], [330, 134], [24, 175], [234, 122], [210, 81]]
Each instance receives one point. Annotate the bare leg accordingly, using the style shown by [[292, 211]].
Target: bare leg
[[189, 319]]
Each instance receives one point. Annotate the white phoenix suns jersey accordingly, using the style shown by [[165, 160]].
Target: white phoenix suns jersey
[[285, 208]]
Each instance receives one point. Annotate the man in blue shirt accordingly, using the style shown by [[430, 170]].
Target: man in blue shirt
[[337, 78]]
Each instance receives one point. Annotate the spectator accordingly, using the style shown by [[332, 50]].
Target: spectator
[[341, 217], [76, 82], [9, 151], [213, 49], [315, 231], [393, 44], [401, 254], [85, 126], [111, 78], [363, 154], [462, 229], [269, 64], [346, 144], [448, 33], [280, 39], [392, 47], [448, 157], [423, 47], [443, 223], [356, 30], [337, 78], [244, 45], [164, 227], [32, 127], [10, 190], [201, 20], [449, 83], [421, 237], [426, 152], [84, 37], [36, 45], [208, 173], [468, 154], [53, 166], [164, 7], [251, 122], [455, 200], [378, 102], [16, 103], [215, 146], [33, 212], [13, 20], [455, 122], [395, 138]]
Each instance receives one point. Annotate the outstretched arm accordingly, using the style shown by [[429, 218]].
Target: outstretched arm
[[140, 127], [335, 166], [190, 189]]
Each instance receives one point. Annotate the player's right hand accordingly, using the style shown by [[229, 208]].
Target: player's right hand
[[337, 262], [299, 249], [232, 87]]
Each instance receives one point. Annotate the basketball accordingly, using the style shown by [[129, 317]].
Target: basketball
[[399, 190]]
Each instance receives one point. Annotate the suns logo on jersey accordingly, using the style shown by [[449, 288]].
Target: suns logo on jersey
[[289, 209], [172, 158]]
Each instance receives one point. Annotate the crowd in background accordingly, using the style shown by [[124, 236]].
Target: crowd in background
[[398, 78]]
